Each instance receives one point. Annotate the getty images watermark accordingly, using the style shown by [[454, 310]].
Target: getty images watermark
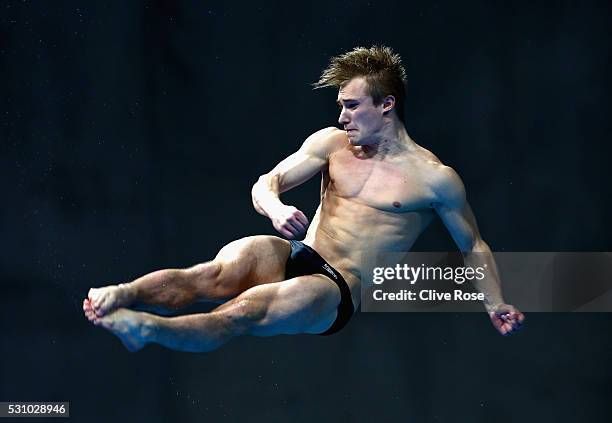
[[443, 281], [412, 275]]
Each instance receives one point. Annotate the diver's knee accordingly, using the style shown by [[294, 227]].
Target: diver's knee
[[213, 280], [206, 271], [244, 315]]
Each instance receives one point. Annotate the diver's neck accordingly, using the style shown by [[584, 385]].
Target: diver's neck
[[393, 141]]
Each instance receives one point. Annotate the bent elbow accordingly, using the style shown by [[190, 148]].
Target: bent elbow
[[256, 184], [472, 244], [478, 246], [260, 184]]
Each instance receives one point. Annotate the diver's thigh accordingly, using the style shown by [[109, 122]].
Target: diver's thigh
[[254, 260]]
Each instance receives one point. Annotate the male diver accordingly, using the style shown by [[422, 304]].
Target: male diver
[[379, 192]]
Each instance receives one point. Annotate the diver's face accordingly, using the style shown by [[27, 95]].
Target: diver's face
[[361, 119]]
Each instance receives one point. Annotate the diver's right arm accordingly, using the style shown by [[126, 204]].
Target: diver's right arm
[[296, 169]]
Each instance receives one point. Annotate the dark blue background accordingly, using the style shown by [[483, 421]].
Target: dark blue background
[[130, 136]]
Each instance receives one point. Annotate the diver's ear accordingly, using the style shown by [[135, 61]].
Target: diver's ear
[[388, 104]]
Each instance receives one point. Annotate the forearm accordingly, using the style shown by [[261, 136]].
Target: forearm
[[481, 256], [265, 195]]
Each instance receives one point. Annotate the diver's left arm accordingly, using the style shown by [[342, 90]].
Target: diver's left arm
[[455, 212]]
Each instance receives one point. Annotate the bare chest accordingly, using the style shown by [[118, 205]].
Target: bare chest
[[399, 186]]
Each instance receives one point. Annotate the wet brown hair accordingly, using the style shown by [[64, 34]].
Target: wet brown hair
[[381, 68]]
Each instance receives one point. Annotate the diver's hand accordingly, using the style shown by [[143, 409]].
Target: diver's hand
[[289, 221], [506, 319]]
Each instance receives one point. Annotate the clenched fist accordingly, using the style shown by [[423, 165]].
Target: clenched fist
[[290, 222], [506, 319]]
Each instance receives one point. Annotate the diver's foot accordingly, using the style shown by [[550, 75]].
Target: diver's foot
[[131, 327], [108, 298], [88, 310]]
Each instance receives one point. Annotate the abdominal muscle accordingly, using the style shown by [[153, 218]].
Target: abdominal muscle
[[343, 230]]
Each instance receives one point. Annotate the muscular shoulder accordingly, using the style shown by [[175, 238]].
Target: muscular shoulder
[[324, 142], [428, 157], [446, 185]]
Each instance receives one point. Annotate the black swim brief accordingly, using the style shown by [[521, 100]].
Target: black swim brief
[[306, 261]]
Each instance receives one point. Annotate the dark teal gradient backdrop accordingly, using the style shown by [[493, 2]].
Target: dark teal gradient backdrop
[[130, 136]]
